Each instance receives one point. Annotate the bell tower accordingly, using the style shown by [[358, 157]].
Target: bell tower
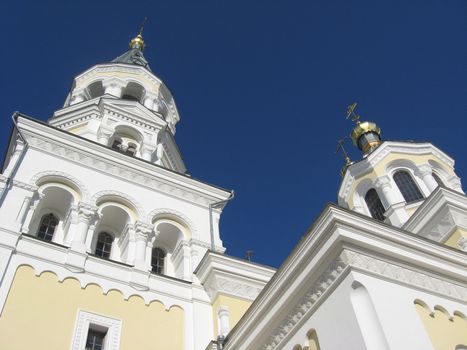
[[97, 209], [123, 105]]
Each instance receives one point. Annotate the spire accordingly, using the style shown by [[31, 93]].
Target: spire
[[365, 135], [134, 55], [137, 42]]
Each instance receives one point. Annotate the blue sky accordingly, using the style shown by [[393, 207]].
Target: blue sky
[[262, 88]]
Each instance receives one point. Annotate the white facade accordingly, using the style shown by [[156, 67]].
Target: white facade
[[107, 162]]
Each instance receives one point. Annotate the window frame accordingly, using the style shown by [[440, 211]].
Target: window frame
[[103, 250], [374, 211], [44, 217], [162, 272], [405, 191], [88, 320]]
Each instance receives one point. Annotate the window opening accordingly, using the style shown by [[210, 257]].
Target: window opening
[[374, 205], [407, 186], [157, 260], [47, 227], [117, 144], [95, 339], [104, 245], [438, 180], [131, 150]]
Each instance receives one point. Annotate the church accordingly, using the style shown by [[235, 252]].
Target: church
[[106, 242]]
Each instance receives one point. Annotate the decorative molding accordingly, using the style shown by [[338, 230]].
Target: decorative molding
[[352, 260], [164, 212], [75, 181], [402, 274], [121, 171], [25, 186], [226, 285], [306, 303], [83, 322], [139, 209]]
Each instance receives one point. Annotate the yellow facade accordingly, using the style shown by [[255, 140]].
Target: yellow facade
[[446, 331], [453, 240], [237, 308], [40, 313]]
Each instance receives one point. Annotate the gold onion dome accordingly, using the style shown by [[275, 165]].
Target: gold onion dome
[[137, 42], [366, 136], [364, 128]]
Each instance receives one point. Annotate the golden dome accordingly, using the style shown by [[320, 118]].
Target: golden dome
[[137, 42], [364, 128]]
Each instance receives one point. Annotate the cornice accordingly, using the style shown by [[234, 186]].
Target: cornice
[[116, 67], [90, 154], [220, 274], [108, 275], [96, 109], [349, 261], [340, 242], [440, 198]]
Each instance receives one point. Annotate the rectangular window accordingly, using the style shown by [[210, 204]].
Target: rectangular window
[[96, 332], [96, 338]]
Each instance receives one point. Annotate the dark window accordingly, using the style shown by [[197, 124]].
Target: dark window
[[130, 97], [104, 245], [374, 205], [131, 150], [47, 227], [157, 260], [117, 144], [407, 186], [438, 180], [95, 340]]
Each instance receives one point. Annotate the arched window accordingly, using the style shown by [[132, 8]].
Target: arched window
[[407, 186], [47, 227], [104, 245], [374, 204], [438, 180], [157, 260]]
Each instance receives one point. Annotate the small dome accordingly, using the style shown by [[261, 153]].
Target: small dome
[[137, 42], [364, 128]]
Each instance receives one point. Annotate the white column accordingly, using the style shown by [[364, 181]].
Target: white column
[[86, 213], [142, 231], [36, 199], [103, 135], [148, 102], [224, 324], [114, 87], [78, 95], [367, 318], [159, 153], [396, 209], [187, 273], [147, 151], [424, 171]]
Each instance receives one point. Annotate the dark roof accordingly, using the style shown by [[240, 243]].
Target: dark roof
[[133, 56]]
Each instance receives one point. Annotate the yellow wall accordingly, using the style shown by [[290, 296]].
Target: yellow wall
[[445, 333], [237, 308], [454, 238], [40, 313]]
